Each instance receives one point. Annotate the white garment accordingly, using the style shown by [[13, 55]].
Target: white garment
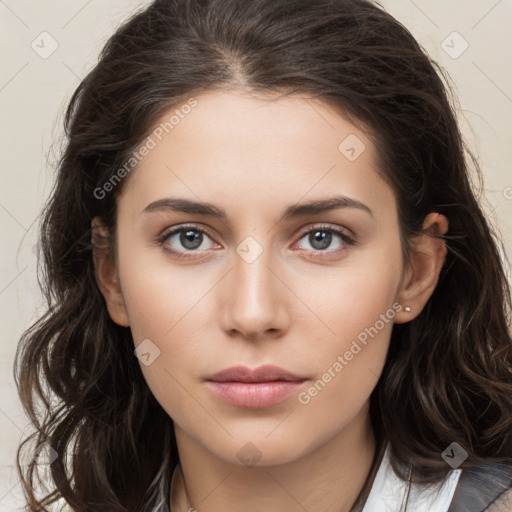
[[389, 492]]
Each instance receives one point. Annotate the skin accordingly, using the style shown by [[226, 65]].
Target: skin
[[295, 306]]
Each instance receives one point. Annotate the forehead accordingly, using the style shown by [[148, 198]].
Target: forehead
[[257, 146]]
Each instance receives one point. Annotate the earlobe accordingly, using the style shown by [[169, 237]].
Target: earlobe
[[106, 273], [427, 256]]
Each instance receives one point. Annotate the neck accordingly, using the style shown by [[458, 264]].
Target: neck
[[327, 479]]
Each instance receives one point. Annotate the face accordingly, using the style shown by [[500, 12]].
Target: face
[[255, 279]]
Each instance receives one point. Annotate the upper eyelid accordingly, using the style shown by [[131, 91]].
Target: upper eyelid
[[326, 227], [176, 229]]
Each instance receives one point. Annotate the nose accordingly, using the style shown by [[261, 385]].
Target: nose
[[255, 299]]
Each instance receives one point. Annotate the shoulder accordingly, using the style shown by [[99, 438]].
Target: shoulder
[[487, 488], [503, 503]]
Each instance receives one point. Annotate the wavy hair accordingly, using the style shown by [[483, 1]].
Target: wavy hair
[[448, 373]]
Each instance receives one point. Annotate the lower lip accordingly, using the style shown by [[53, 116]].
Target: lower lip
[[255, 394]]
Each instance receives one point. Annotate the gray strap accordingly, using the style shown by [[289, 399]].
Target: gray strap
[[480, 486]]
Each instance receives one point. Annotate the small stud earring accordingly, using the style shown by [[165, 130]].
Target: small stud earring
[[408, 309]]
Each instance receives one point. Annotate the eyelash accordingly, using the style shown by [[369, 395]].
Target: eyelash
[[346, 239]]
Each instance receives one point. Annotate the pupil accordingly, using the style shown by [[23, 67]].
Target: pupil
[[320, 239]]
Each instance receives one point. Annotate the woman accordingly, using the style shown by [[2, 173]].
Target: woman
[[270, 284]]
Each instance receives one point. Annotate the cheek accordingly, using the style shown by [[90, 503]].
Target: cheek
[[160, 296], [349, 298], [357, 306], [167, 305], [347, 369]]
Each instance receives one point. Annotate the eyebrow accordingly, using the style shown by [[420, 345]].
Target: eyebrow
[[295, 210]]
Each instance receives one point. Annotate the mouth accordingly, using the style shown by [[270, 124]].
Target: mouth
[[267, 373], [262, 387]]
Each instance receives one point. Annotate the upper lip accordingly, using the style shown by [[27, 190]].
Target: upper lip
[[265, 373]]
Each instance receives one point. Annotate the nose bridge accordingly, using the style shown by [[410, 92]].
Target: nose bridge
[[255, 302]]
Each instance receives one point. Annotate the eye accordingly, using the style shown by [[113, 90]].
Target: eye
[[322, 238], [186, 239]]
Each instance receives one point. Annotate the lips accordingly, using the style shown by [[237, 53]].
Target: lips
[[262, 387], [267, 373]]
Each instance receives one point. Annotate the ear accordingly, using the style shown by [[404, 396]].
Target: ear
[[427, 256], [106, 273]]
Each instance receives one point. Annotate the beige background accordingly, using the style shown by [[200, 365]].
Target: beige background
[[35, 90]]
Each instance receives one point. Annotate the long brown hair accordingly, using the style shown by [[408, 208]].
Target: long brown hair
[[448, 374]]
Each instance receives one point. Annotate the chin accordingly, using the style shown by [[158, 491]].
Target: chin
[[252, 447]]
